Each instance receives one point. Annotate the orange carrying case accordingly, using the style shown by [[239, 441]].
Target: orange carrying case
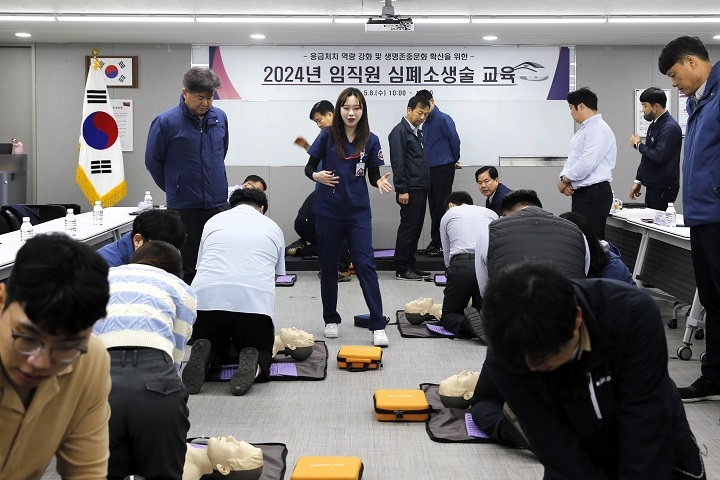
[[328, 468], [359, 358], [401, 406]]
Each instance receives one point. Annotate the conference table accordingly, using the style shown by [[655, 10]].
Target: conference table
[[116, 221], [660, 256]]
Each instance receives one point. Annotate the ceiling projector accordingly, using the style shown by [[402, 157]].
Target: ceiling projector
[[389, 24]]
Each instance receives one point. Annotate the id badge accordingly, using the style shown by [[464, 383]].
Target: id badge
[[360, 169]]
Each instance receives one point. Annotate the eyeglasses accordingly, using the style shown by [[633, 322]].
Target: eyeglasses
[[28, 345]]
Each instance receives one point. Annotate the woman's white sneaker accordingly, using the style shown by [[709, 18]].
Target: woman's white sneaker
[[380, 338], [331, 330]]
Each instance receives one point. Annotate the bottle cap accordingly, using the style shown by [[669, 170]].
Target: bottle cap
[[26, 219], [147, 193], [70, 210], [97, 202]]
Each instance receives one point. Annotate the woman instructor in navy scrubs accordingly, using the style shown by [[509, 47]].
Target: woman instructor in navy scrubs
[[349, 151]]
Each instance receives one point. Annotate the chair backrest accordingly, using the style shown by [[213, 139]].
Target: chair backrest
[[48, 211], [15, 213], [5, 226]]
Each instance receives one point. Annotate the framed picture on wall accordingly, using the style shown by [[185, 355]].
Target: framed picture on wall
[[118, 72]]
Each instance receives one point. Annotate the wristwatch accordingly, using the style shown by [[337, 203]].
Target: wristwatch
[[636, 145], [564, 180]]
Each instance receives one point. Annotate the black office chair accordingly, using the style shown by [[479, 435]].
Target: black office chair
[[48, 212], [5, 226]]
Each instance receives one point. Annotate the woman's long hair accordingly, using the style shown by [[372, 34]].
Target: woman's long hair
[[362, 130]]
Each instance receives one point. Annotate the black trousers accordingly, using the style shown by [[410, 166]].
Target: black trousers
[[658, 198], [704, 241], [194, 220], [149, 421], [240, 330], [461, 287], [306, 229], [594, 202], [412, 216], [441, 182]]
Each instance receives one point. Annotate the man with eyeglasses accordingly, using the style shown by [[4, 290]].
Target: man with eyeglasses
[[55, 376], [488, 181]]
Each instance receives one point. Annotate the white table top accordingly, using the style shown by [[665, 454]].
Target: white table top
[[640, 217], [116, 221]]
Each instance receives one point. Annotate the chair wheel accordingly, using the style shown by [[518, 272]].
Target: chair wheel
[[684, 353], [672, 323], [699, 334]]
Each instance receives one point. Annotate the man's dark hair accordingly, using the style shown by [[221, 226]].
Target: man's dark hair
[[529, 313], [201, 80], [60, 283], [458, 198], [249, 196], [654, 95], [492, 171], [676, 51], [256, 179], [161, 255], [157, 224], [418, 101], [323, 107], [425, 93], [598, 256], [519, 198], [585, 96]]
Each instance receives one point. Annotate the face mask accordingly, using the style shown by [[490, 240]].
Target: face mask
[[649, 117]]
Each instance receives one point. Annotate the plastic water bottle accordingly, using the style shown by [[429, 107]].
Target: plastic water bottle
[[70, 223], [97, 213], [670, 215], [617, 203], [26, 231], [148, 201]]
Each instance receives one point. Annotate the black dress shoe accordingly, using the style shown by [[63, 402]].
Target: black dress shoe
[[420, 272], [408, 275], [423, 251], [436, 252]]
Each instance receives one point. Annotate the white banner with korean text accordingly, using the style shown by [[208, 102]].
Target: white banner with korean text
[[451, 73]]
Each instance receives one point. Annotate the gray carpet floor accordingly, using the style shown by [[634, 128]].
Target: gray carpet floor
[[335, 416]]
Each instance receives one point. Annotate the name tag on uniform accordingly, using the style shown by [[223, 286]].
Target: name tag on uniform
[[360, 169]]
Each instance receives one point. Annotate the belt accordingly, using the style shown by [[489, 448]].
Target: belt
[[594, 185], [463, 256]]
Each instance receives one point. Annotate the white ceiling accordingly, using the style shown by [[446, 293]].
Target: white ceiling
[[354, 34]]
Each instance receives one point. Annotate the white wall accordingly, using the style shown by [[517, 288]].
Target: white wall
[[613, 73]]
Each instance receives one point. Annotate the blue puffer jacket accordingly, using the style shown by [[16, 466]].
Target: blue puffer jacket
[[701, 167], [186, 157]]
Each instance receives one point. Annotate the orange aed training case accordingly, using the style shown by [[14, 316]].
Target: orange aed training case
[[359, 358], [401, 406], [328, 468]]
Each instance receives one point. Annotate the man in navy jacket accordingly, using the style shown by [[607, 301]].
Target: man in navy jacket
[[185, 155], [442, 149], [412, 182], [685, 60], [491, 188], [659, 169], [583, 365]]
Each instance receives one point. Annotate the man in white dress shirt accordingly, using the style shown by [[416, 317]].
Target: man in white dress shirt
[[241, 252], [587, 173], [459, 229]]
